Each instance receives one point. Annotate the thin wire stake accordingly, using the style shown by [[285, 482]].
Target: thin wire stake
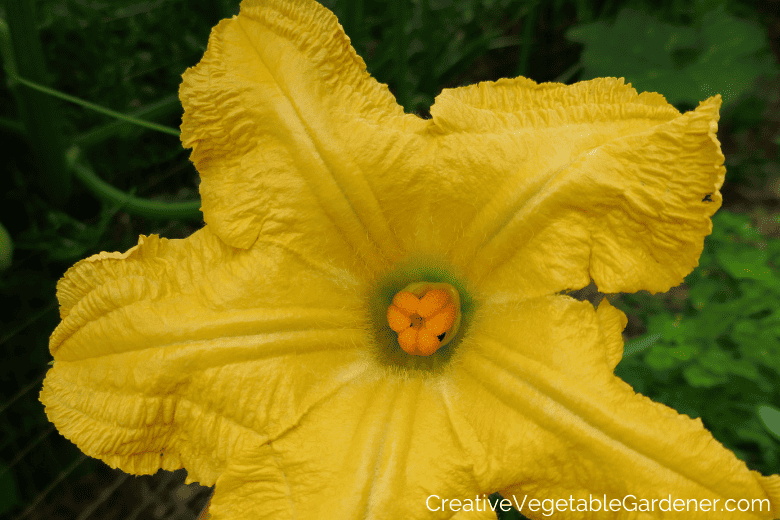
[[104, 496], [62, 476], [27, 449], [23, 391], [35, 317]]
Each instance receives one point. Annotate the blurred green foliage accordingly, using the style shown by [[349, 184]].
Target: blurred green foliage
[[443, 42], [709, 349], [716, 54]]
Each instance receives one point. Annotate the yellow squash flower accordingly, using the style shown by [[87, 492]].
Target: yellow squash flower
[[372, 315]]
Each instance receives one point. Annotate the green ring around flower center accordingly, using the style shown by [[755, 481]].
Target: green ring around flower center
[[384, 341]]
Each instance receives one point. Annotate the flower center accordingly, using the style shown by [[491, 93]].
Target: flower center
[[426, 316]]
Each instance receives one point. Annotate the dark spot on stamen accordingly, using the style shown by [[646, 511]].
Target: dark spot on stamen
[[417, 320], [707, 198], [441, 336]]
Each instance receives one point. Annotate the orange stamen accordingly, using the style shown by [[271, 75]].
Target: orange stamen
[[424, 321], [433, 300]]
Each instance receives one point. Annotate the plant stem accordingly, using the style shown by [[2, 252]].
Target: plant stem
[[10, 125], [97, 108], [163, 107], [529, 22], [399, 9], [354, 22], [131, 204], [428, 83], [23, 57]]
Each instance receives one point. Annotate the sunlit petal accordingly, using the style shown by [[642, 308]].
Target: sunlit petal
[[590, 180], [166, 353], [568, 426]]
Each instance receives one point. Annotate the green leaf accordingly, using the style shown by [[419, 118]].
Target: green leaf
[[721, 54], [770, 418], [744, 263], [698, 377], [6, 249], [638, 345], [660, 358], [674, 329]]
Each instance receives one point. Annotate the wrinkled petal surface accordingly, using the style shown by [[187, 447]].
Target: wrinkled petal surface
[[587, 181], [278, 405], [279, 113], [175, 353], [243, 352], [295, 141], [390, 443], [566, 426]]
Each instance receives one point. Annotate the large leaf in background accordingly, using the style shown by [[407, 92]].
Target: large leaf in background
[[719, 54], [770, 417]]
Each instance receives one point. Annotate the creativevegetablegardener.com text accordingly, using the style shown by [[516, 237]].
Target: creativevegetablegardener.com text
[[548, 506]]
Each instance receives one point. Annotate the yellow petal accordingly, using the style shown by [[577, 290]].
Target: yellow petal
[[167, 354], [537, 387], [240, 353], [586, 181], [277, 113], [391, 443]]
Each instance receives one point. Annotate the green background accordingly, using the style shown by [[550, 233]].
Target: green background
[[710, 347]]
